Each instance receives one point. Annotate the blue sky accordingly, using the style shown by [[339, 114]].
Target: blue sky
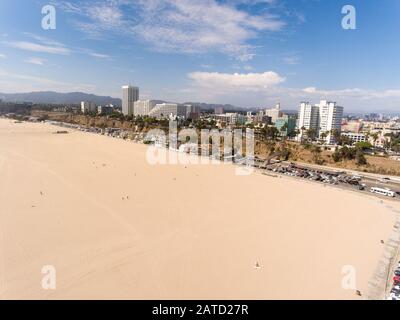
[[250, 53]]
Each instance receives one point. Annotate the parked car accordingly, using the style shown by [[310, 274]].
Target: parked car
[[396, 280], [395, 291]]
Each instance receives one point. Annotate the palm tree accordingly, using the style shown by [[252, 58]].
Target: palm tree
[[336, 135], [311, 133], [323, 137], [375, 137]]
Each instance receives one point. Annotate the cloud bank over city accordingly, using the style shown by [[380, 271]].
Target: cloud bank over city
[[249, 53]]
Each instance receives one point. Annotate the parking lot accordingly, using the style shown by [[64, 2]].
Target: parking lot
[[339, 179], [395, 291]]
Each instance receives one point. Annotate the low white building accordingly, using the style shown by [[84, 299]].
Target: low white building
[[168, 111], [87, 106], [143, 107], [355, 137]]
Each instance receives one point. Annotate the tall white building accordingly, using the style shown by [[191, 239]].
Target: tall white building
[[330, 119], [168, 110], [87, 106], [308, 118], [274, 113], [143, 107], [323, 118], [129, 96]]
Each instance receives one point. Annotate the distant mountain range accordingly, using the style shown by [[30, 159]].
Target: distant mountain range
[[50, 97]]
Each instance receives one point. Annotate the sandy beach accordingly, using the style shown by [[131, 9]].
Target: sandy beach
[[116, 227]]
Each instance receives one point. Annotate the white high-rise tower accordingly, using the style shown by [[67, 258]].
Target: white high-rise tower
[[330, 119], [324, 118], [308, 118], [129, 96]]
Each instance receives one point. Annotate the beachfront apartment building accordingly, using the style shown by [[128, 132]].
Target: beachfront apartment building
[[143, 107], [168, 111], [307, 118], [88, 106], [323, 118], [330, 119], [129, 96]]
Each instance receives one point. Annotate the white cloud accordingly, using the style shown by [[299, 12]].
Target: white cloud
[[3, 56], [46, 45], [36, 47], [362, 94], [98, 55], [310, 90], [185, 26], [43, 40], [36, 61], [106, 15], [223, 82]]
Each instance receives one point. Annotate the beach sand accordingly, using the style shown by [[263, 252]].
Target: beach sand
[[116, 227]]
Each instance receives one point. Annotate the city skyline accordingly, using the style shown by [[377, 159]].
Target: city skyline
[[250, 54]]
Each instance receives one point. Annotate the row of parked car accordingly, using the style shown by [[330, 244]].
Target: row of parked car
[[325, 177], [395, 292]]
